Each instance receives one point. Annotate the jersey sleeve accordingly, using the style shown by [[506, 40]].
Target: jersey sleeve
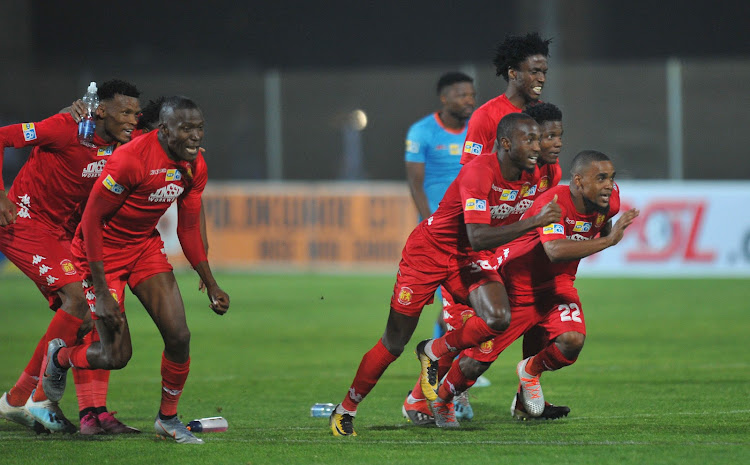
[[474, 188], [551, 231], [614, 201], [556, 175], [188, 214], [480, 136], [416, 144], [120, 175]]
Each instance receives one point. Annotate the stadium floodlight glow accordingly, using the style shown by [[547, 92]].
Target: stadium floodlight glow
[[358, 119]]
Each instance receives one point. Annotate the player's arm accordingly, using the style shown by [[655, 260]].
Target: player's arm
[[560, 250], [486, 237], [606, 229], [415, 176], [76, 109]]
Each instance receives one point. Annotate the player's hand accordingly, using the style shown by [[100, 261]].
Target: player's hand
[[86, 326], [78, 110], [219, 300], [550, 213], [8, 211], [108, 311], [201, 286], [623, 222]]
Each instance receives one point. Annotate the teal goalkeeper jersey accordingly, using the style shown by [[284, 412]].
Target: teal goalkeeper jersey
[[439, 148]]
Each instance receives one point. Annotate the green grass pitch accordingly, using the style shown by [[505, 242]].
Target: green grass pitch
[[664, 378]]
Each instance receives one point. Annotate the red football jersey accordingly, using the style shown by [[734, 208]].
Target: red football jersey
[[59, 172], [527, 268], [482, 131], [479, 194], [550, 175], [146, 181]]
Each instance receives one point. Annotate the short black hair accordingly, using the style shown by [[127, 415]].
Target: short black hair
[[509, 122], [172, 104], [150, 114], [584, 159], [515, 49], [543, 112], [110, 88], [453, 77]]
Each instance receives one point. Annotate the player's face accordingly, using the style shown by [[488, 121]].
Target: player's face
[[597, 183], [460, 100], [183, 132], [530, 77], [551, 142], [524, 145], [119, 116]]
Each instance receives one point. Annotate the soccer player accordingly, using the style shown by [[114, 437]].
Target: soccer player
[[451, 248], [56, 178], [138, 184], [416, 407], [522, 62], [539, 272]]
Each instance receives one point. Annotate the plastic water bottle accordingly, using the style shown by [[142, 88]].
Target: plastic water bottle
[[322, 410], [208, 425], [87, 125]]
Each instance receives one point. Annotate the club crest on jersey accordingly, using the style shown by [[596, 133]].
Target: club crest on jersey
[[476, 204], [68, 267], [404, 296], [582, 226], [509, 195], [472, 148], [486, 347], [105, 151], [454, 149], [173, 175], [29, 133], [599, 220], [111, 185], [554, 228], [543, 184]]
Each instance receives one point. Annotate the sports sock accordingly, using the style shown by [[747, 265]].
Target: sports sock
[[372, 367], [74, 356], [64, 326], [455, 382], [474, 332], [83, 381], [20, 392], [549, 359], [100, 387], [416, 391], [173, 377]]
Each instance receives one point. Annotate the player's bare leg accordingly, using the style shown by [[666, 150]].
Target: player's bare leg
[[161, 297]]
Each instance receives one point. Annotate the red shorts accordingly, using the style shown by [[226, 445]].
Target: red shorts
[[131, 265], [424, 267], [556, 313], [455, 313], [42, 254]]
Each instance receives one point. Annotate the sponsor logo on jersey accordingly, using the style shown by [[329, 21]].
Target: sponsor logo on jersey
[[404, 296], [454, 149], [167, 193], [68, 267], [440, 147], [543, 184], [528, 191], [476, 204], [599, 220], [36, 259], [554, 228], [29, 132], [578, 237], [111, 185], [508, 195], [173, 175], [582, 226], [155, 172], [105, 151], [51, 279], [472, 148], [486, 347], [411, 146], [93, 169]]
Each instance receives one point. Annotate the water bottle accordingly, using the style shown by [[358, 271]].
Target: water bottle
[[322, 410], [208, 425], [87, 125]]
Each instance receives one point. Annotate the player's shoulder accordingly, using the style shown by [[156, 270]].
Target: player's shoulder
[[424, 125]]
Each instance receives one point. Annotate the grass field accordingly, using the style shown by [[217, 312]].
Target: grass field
[[664, 378]]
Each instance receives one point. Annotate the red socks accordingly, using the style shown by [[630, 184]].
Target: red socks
[[454, 382], [64, 326], [372, 367], [19, 393], [549, 359], [474, 332], [173, 377]]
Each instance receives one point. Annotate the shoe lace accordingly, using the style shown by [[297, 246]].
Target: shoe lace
[[347, 423], [446, 411], [531, 387]]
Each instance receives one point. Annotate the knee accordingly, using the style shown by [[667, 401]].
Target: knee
[[177, 340], [570, 344], [472, 369], [75, 304], [117, 360], [498, 319]]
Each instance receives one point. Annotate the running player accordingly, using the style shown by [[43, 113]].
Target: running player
[[138, 184], [451, 248], [539, 272], [56, 178]]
